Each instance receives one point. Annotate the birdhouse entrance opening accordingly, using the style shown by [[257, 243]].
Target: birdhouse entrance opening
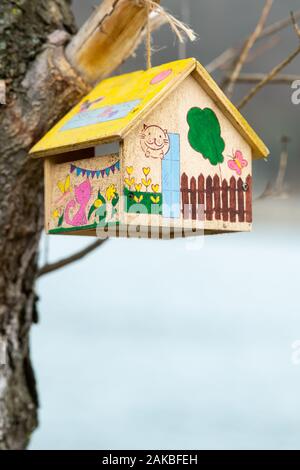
[[110, 148]]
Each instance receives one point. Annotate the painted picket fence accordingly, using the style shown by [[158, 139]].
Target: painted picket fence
[[222, 200]]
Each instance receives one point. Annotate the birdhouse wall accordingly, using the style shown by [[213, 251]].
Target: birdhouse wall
[[82, 194], [185, 165]]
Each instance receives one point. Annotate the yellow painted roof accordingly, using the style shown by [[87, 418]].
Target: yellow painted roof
[[118, 103]]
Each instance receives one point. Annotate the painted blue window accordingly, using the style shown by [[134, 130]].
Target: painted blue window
[[171, 179]]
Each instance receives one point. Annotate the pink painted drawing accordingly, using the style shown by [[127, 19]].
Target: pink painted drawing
[[83, 194], [155, 141], [238, 162], [108, 112], [161, 76], [87, 104]]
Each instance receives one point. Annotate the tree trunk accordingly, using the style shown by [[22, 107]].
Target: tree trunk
[[24, 27], [41, 87]]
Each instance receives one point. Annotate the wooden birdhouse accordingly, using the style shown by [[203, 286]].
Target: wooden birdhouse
[[154, 153]]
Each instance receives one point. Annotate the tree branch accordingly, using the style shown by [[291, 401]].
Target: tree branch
[[268, 78], [278, 26], [248, 46], [277, 189], [232, 52], [264, 47], [258, 77], [50, 268], [221, 60], [108, 38], [295, 25]]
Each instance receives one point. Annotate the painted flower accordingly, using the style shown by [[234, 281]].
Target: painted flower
[[155, 188], [98, 203], [146, 183], [155, 200], [146, 171], [138, 199], [129, 170], [138, 187], [58, 216], [111, 192], [130, 182]]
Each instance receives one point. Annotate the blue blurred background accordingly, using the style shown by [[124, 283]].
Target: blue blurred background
[[180, 344]]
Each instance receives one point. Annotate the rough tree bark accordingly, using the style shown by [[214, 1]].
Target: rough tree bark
[[42, 86]]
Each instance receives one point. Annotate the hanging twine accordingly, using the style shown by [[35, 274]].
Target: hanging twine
[[180, 29]]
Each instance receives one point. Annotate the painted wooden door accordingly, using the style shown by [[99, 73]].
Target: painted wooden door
[[171, 179]]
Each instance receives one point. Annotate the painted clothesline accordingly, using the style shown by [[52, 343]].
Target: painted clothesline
[[92, 173]]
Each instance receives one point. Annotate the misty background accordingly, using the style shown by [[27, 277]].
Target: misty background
[[176, 345]]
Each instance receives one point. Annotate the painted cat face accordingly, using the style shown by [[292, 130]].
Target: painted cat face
[[83, 192], [156, 138]]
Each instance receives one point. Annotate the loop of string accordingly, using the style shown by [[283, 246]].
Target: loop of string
[[178, 27]]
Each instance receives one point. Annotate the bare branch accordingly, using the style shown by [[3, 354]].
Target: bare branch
[[258, 77], [248, 46], [49, 268], [277, 189], [268, 78], [278, 26], [259, 51], [279, 185], [263, 48], [221, 60], [232, 52], [295, 25]]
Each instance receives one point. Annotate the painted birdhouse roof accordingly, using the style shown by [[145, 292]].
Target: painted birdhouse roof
[[117, 104]]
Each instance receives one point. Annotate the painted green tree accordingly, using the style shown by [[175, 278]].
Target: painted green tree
[[205, 134]]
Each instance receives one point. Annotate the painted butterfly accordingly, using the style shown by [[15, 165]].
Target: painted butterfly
[[64, 186], [237, 163]]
